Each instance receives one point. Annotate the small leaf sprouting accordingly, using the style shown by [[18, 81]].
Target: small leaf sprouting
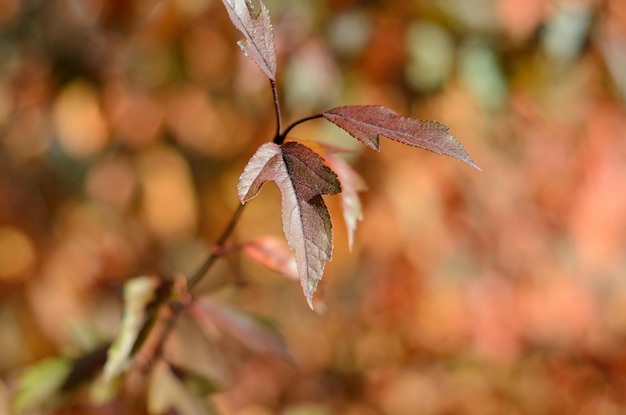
[[367, 123], [259, 44], [302, 178]]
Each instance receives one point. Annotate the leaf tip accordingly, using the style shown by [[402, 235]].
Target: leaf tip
[[258, 43], [472, 163]]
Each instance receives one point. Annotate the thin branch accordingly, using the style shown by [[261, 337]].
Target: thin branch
[[176, 311], [217, 251], [281, 137], [279, 122], [178, 308]]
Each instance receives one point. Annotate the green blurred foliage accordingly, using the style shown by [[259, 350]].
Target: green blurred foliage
[[124, 126]]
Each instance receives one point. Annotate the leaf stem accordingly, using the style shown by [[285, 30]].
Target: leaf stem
[[279, 122], [281, 137]]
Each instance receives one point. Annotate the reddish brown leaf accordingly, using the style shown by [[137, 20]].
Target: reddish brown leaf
[[250, 332], [302, 178], [256, 27], [273, 253], [351, 184], [367, 123]]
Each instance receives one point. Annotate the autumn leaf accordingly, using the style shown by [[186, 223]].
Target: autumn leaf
[[241, 326], [256, 27], [367, 123], [273, 253], [302, 178], [351, 184]]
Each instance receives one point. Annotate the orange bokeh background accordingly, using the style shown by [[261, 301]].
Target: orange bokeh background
[[125, 126]]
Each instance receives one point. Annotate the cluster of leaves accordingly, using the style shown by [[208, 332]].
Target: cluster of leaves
[[300, 172], [304, 173]]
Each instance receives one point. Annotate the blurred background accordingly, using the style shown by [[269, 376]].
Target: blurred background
[[124, 126]]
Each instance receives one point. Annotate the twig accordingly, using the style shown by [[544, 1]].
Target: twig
[[217, 251], [177, 307], [281, 137]]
